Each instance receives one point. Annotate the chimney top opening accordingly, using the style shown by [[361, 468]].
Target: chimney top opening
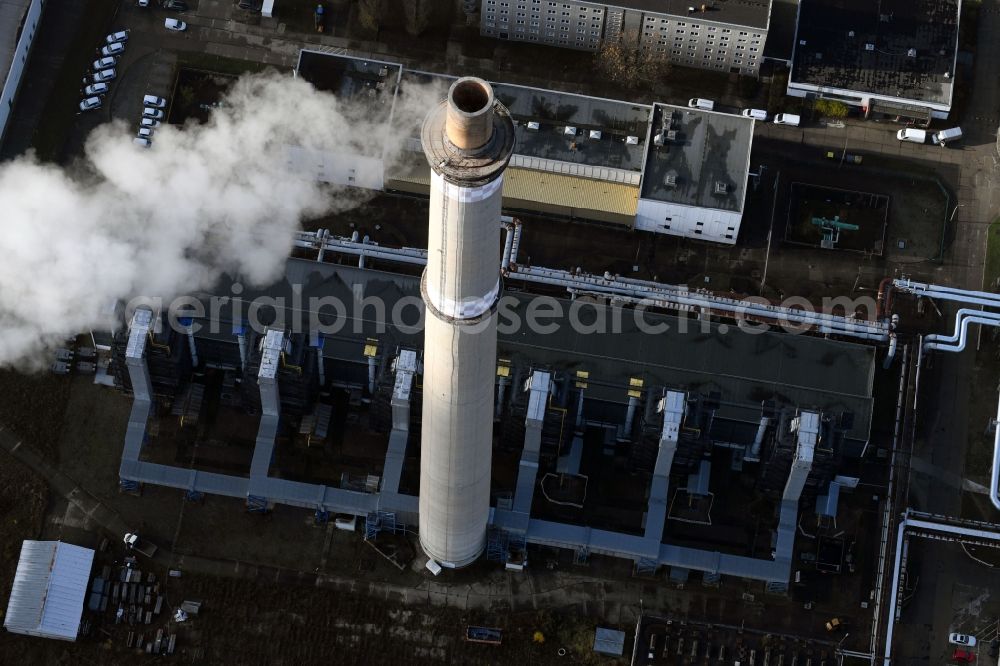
[[471, 95]]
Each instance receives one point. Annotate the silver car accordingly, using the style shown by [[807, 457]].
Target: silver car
[[90, 104]]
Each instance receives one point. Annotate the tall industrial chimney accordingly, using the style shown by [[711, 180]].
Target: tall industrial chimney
[[468, 140]]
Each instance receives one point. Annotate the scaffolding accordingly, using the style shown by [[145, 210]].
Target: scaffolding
[[256, 504], [377, 522], [496, 545]]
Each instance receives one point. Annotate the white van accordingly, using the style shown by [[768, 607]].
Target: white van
[[787, 119], [699, 103], [756, 114], [946, 136], [912, 135]]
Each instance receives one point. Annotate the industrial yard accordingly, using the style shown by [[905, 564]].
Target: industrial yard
[[735, 435]]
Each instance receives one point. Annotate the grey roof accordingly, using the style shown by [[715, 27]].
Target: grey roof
[[753, 13], [554, 111], [831, 57], [49, 589], [709, 148], [11, 15], [357, 79], [744, 368]]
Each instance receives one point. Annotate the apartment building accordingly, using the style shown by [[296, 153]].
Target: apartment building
[[723, 35]]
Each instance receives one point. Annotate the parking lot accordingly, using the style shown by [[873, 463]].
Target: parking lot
[[946, 591], [665, 640]]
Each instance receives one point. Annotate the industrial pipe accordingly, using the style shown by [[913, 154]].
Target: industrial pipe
[[629, 290], [501, 389], [995, 476], [959, 317], [983, 298], [633, 402], [241, 340], [893, 341], [945, 342]]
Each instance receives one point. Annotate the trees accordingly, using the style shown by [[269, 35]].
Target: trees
[[371, 13], [830, 108], [624, 61], [420, 14]]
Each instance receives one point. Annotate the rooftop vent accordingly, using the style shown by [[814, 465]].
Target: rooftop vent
[[671, 135], [632, 140], [850, 33], [595, 134], [569, 131], [912, 53], [670, 180], [802, 42], [532, 125], [720, 187], [869, 46], [660, 138]]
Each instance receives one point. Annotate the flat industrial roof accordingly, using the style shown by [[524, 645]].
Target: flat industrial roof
[[752, 13], [11, 15], [366, 81], [895, 48], [709, 149], [746, 369], [556, 111]]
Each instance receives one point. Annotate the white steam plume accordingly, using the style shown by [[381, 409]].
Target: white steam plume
[[204, 200]]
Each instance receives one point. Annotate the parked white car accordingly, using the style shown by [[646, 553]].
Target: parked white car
[[104, 63], [155, 114], [756, 114], [104, 75], [149, 122], [174, 25], [962, 639], [154, 101], [142, 141], [90, 104], [145, 132], [113, 49], [120, 36], [96, 89]]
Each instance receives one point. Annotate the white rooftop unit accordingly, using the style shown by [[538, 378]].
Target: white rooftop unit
[[632, 140], [532, 125], [267, 9], [595, 134], [569, 131], [49, 590]]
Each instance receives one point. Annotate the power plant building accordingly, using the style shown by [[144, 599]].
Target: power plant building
[[575, 156], [373, 384]]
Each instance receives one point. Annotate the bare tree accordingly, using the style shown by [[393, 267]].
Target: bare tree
[[371, 13], [630, 64], [420, 14]]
